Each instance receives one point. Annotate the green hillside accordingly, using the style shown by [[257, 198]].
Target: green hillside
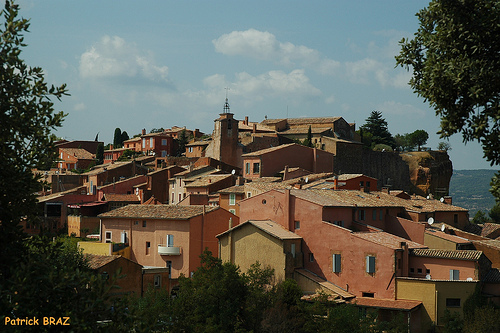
[[470, 189]]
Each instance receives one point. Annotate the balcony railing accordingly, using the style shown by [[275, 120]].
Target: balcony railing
[[169, 250]]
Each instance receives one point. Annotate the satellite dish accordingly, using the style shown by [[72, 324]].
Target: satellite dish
[[430, 220], [428, 197], [443, 228], [307, 179], [233, 172], [469, 279], [428, 276], [442, 199], [136, 191]]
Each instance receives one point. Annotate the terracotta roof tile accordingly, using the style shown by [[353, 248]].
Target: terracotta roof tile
[[207, 180], [79, 153], [121, 197], [315, 120], [270, 150], [447, 254], [387, 239], [489, 228], [238, 189], [324, 283], [399, 304], [305, 130], [443, 235], [163, 212], [96, 261]]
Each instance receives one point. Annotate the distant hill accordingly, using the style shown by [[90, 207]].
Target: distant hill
[[470, 189]]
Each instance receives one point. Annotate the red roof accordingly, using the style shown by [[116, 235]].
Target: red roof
[[392, 304]]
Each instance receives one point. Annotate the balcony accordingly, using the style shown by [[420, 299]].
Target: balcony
[[169, 250]]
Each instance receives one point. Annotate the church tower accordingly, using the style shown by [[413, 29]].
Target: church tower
[[224, 145]]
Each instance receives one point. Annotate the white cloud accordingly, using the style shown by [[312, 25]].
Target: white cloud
[[264, 46], [399, 109], [79, 107], [113, 57]]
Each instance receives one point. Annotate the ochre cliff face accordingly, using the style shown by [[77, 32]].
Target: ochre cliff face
[[430, 172]]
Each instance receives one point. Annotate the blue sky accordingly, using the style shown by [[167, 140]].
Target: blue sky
[[151, 64]]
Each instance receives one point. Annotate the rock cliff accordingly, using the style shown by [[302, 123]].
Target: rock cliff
[[430, 172]]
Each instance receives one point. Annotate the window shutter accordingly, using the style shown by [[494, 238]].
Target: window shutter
[[336, 264], [170, 240], [370, 264]]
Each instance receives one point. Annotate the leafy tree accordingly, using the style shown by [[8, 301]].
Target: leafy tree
[[452, 322], [157, 130], [117, 138], [182, 141], [418, 138], [27, 116], [382, 147], [456, 68], [99, 155], [308, 140], [376, 125], [495, 213], [124, 137], [479, 218], [443, 145]]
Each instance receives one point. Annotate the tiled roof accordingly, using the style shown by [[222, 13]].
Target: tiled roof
[[46, 198], [79, 153], [326, 284], [274, 229], [305, 130], [197, 171], [348, 176], [270, 150], [493, 276], [271, 121], [103, 167], [391, 304], [443, 235], [266, 179], [238, 189], [163, 212], [490, 242], [387, 240], [96, 261], [489, 228], [447, 254], [207, 180], [152, 201], [116, 150], [315, 120], [121, 197], [198, 143]]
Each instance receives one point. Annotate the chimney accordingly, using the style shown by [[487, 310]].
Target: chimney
[[143, 131], [335, 183], [287, 210], [386, 190], [196, 133], [110, 147], [285, 173], [448, 200], [246, 120], [209, 180], [254, 128]]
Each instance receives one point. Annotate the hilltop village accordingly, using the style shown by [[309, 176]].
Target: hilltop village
[[335, 218]]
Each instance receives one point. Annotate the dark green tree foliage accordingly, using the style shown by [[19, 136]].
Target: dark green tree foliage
[[117, 138], [54, 280], [443, 145], [480, 218], [99, 155], [452, 322], [124, 137], [156, 130], [455, 60], [495, 213], [308, 141], [212, 300], [27, 117], [376, 125], [418, 138], [182, 141]]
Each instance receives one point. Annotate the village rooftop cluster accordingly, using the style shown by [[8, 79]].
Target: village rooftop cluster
[[250, 192]]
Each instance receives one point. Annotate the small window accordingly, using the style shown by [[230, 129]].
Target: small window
[[169, 266], [374, 214], [292, 249], [151, 142], [232, 211], [108, 237], [361, 214], [427, 271], [371, 295], [264, 201], [247, 168], [157, 281], [361, 184], [190, 149], [370, 264], [455, 218], [148, 247], [419, 270], [454, 274], [412, 270], [297, 224], [163, 142], [336, 263], [143, 143], [368, 185], [311, 257], [144, 224], [170, 240], [232, 199], [249, 194], [453, 302], [256, 168], [381, 217]]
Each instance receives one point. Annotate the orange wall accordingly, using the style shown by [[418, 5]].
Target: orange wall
[[440, 268]]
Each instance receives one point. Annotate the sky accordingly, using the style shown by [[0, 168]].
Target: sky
[[151, 64]]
